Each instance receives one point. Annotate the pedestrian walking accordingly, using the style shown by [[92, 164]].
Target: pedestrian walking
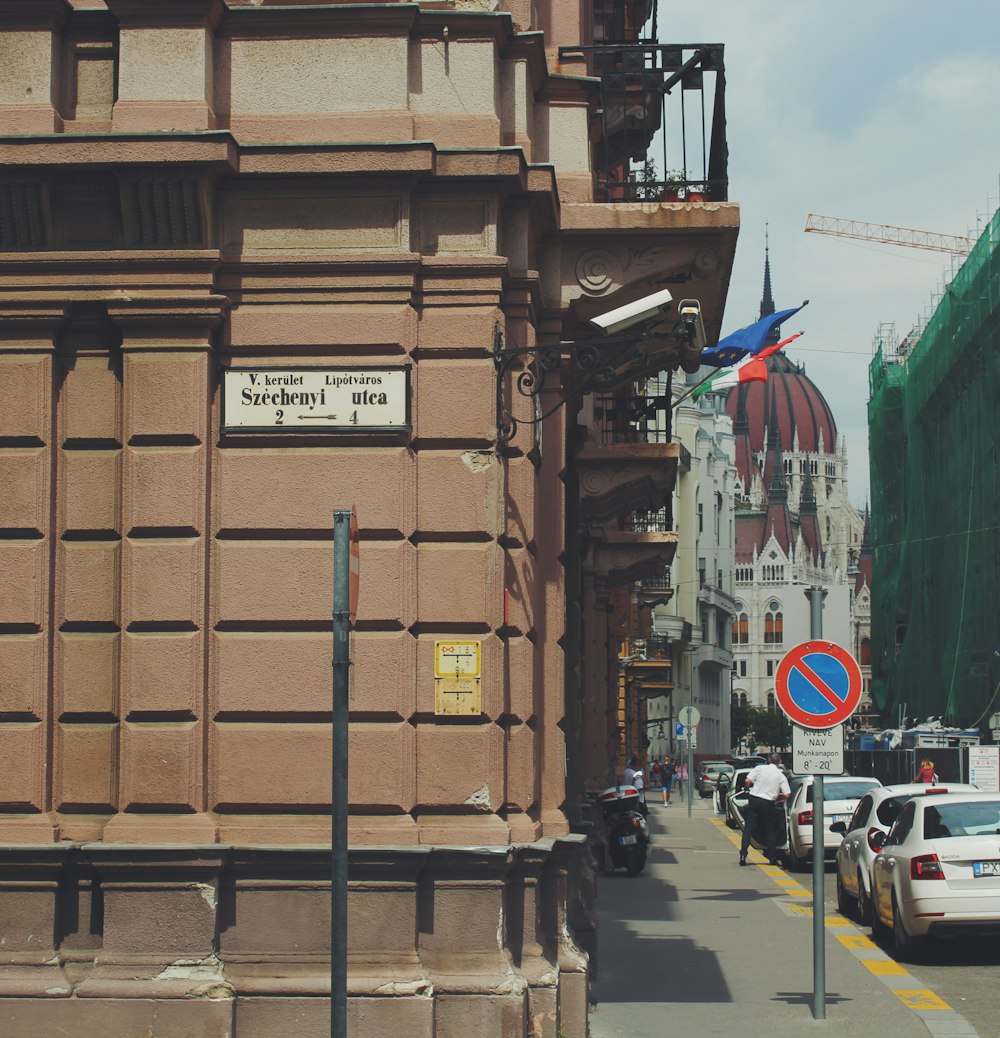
[[926, 772], [763, 816], [667, 771], [680, 777]]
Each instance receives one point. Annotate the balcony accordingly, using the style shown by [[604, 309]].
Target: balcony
[[630, 465], [663, 112], [650, 678], [623, 557]]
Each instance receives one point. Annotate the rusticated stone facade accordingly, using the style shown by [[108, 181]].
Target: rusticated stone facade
[[190, 188]]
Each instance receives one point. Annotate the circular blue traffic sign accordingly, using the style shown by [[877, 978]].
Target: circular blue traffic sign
[[818, 684]]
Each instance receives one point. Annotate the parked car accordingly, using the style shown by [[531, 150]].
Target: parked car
[[938, 871], [874, 816], [708, 776], [841, 794]]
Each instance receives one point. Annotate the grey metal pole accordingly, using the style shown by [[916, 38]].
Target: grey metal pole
[[816, 596], [690, 771], [338, 792]]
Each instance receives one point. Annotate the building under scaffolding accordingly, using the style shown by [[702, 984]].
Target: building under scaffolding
[[934, 429]]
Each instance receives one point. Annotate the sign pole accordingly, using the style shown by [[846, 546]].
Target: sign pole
[[690, 771], [342, 543], [818, 685], [816, 596]]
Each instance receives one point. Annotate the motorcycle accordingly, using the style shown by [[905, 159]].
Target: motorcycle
[[626, 829]]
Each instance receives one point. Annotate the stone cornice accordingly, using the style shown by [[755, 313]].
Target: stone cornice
[[242, 22], [35, 14], [161, 13]]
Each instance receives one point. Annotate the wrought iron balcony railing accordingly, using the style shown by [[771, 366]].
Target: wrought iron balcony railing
[[663, 110], [639, 416], [660, 521]]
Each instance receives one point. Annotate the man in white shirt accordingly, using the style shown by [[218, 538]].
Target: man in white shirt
[[763, 817]]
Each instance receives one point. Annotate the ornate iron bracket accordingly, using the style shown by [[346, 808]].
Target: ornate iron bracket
[[600, 364]]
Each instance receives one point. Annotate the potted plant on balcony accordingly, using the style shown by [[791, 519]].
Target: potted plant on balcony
[[673, 186]]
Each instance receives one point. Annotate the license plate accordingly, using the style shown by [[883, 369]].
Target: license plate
[[841, 818], [986, 868], [625, 841]]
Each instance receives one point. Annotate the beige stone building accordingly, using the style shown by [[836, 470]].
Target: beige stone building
[[260, 261]]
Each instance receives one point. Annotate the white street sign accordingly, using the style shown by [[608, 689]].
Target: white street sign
[[689, 716], [283, 400], [818, 752]]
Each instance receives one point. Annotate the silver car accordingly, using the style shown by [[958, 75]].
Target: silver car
[[874, 816]]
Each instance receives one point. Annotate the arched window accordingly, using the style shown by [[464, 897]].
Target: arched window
[[743, 699], [866, 652], [741, 629], [772, 704], [773, 625]]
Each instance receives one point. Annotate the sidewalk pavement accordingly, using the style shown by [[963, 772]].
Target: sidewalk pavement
[[698, 946]]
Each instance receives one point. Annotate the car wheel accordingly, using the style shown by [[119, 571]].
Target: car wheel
[[864, 904], [904, 946], [845, 903]]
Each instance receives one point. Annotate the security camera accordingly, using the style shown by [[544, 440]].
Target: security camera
[[624, 317], [689, 311]]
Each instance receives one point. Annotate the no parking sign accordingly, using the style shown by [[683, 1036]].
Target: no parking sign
[[818, 684]]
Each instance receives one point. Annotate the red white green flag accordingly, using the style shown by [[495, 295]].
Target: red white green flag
[[752, 368]]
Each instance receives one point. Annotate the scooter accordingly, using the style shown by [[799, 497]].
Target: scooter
[[626, 829]]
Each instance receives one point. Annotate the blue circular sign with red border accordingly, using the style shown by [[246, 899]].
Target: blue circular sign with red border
[[818, 684]]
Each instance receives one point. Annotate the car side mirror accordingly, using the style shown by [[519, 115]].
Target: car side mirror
[[839, 827]]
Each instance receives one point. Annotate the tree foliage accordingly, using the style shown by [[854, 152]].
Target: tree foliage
[[759, 728]]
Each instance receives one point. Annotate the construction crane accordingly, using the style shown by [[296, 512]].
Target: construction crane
[[883, 232]]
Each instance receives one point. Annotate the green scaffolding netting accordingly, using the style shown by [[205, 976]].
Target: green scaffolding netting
[[934, 438]]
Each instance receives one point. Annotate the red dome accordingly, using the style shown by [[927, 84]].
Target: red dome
[[800, 407]]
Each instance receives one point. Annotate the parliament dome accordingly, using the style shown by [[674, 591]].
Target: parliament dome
[[799, 406]]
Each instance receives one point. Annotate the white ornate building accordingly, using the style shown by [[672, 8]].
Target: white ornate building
[[795, 527]]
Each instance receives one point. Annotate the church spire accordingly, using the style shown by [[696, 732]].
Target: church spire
[[767, 300]]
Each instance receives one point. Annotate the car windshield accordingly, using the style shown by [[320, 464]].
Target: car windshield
[[853, 789], [964, 818]]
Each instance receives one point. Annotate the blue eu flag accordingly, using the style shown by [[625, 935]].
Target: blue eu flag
[[747, 341]]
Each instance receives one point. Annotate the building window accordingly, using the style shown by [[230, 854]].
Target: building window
[[770, 668], [743, 668], [772, 706], [773, 626], [741, 629], [866, 652]]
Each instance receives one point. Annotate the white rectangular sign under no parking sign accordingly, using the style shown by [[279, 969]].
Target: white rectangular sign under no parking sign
[[818, 752]]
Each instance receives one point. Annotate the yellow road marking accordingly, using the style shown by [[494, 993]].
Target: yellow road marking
[[884, 967], [922, 998], [854, 940]]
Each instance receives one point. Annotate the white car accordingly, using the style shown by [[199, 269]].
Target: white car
[[841, 794], [873, 818], [938, 872]]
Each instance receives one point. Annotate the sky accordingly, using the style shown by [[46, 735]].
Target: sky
[[884, 111]]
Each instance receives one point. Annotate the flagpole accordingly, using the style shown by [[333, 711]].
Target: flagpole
[[691, 389]]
